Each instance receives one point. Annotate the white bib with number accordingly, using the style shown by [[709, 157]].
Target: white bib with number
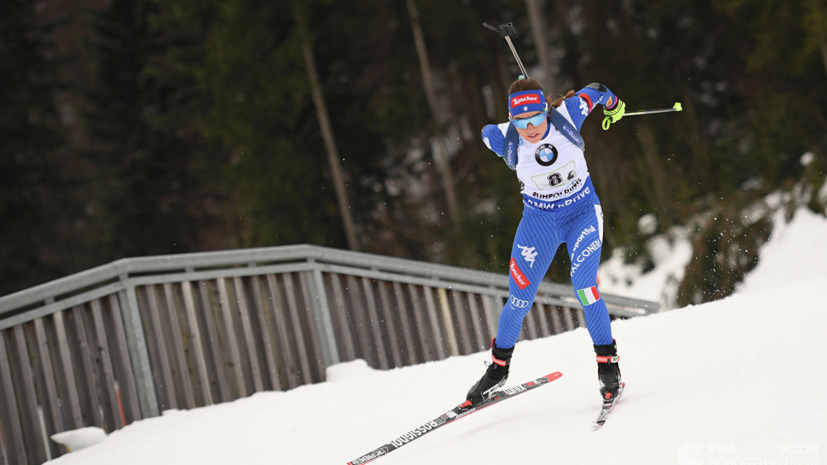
[[551, 169]]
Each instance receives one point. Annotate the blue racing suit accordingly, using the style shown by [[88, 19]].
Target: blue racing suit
[[560, 205]]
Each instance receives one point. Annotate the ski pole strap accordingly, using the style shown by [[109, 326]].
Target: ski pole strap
[[567, 129], [608, 358], [512, 142]]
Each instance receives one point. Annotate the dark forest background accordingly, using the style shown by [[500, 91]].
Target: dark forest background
[[146, 127]]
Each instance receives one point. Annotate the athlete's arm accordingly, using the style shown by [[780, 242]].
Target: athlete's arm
[[587, 99], [493, 135]]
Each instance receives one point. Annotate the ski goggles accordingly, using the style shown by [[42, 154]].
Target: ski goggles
[[535, 120]]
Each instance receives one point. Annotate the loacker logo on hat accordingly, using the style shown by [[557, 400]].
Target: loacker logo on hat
[[532, 98]]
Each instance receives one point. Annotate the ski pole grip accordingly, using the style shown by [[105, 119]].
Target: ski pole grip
[[505, 30]]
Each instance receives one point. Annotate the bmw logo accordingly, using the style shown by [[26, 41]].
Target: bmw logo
[[546, 154]]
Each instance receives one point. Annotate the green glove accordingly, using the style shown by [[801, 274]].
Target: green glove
[[614, 115]]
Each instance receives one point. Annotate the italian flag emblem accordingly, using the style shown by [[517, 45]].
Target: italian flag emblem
[[588, 295]]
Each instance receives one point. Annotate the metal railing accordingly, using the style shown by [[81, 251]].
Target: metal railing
[[126, 340]]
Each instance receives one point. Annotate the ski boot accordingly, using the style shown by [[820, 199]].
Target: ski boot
[[494, 377], [608, 371]]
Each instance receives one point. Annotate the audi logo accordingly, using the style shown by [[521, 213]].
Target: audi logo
[[517, 303]]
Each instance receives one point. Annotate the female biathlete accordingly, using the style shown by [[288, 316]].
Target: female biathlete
[[560, 205]]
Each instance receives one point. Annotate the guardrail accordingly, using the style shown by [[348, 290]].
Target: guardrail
[[126, 340]]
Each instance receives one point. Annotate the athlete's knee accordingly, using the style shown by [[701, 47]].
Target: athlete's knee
[[584, 280], [588, 295]]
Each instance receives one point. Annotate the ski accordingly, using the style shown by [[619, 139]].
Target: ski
[[460, 411], [608, 407]]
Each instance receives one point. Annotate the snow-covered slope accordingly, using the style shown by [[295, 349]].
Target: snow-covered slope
[[796, 252], [737, 381]]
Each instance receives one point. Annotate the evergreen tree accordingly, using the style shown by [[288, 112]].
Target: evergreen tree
[[29, 183], [148, 188], [205, 136]]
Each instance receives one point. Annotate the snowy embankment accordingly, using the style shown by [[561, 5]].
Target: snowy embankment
[[736, 381], [796, 253]]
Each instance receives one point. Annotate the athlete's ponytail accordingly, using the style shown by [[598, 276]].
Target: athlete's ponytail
[[560, 99]]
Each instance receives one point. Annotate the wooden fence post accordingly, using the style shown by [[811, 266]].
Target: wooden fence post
[[321, 310], [136, 343]]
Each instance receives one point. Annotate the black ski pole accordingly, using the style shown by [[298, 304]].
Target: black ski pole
[[507, 31]]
